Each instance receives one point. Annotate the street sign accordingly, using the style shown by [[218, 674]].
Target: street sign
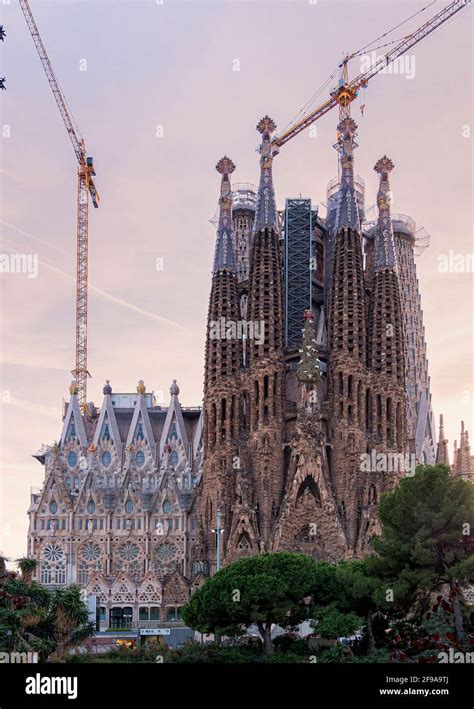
[[155, 631]]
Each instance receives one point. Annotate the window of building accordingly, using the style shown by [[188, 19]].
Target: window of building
[[172, 614], [143, 613], [140, 458], [155, 613], [72, 459], [106, 458], [83, 573], [53, 507], [45, 572], [129, 507], [91, 507], [166, 507]]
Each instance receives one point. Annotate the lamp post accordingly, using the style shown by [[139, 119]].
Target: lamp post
[[218, 531]]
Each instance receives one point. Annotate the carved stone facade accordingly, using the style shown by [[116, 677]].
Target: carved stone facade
[[288, 460], [291, 450], [115, 513]]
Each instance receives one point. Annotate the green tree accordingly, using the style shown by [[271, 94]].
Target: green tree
[[333, 623], [266, 589], [426, 539], [36, 619], [27, 567]]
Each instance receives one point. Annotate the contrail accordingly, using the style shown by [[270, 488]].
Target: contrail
[[30, 236], [114, 299], [102, 293]]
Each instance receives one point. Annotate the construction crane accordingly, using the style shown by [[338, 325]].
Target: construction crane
[[85, 187], [347, 90]]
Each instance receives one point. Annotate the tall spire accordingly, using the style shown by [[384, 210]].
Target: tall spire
[[347, 215], [266, 215], [463, 465], [224, 255], [442, 454], [384, 246]]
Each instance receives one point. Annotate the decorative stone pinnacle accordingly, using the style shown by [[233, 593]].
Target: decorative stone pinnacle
[[308, 315], [347, 125], [384, 165], [141, 388], [107, 388], [225, 166], [73, 388], [266, 125], [174, 388]]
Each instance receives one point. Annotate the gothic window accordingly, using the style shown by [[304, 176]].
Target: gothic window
[[83, 573], [90, 551], [53, 552], [67, 482], [53, 507], [135, 570], [140, 458], [91, 507], [139, 432], [173, 434], [45, 572], [165, 558], [105, 432], [129, 551], [166, 507], [129, 507], [61, 572]]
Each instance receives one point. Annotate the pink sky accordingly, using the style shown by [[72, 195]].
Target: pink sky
[[173, 65]]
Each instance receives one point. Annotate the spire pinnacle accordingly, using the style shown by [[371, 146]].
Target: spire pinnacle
[[266, 215], [224, 255], [442, 454], [384, 246], [347, 215]]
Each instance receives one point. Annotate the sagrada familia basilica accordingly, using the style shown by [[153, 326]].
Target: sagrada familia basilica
[[316, 401]]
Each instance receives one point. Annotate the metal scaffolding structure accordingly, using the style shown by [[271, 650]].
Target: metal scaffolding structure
[[298, 285]]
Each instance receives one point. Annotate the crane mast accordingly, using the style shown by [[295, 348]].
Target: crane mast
[[85, 187], [347, 91]]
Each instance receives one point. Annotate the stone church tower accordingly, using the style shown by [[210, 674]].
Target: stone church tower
[[301, 475]]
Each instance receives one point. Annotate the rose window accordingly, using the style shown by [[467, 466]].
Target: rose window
[[129, 551], [166, 552], [53, 552], [91, 551]]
